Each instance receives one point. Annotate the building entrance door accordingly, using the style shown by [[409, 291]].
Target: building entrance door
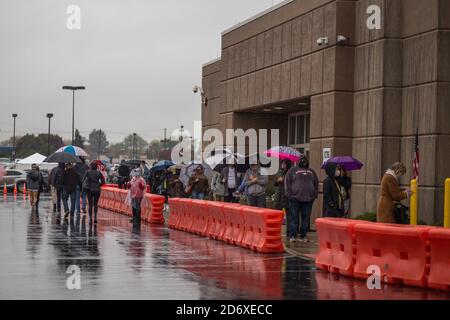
[[299, 131]]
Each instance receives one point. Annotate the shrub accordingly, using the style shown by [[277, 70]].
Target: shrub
[[368, 216]]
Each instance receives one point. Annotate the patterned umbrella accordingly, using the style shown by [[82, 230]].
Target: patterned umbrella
[[73, 150], [283, 153], [349, 163]]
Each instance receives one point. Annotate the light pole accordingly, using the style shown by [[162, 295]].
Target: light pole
[[49, 116], [134, 146], [73, 107], [14, 115]]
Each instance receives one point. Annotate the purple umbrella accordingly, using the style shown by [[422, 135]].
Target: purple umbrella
[[349, 163]]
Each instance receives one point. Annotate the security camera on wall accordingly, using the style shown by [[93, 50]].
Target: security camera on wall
[[195, 89], [341, 39], [322, 41]]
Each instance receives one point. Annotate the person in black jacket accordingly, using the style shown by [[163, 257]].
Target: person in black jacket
[[124, 174], [333, 193], [81, 168], [57, 183], [70, 181], [92, 182]]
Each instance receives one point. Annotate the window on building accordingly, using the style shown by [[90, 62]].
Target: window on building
[[299, 134]]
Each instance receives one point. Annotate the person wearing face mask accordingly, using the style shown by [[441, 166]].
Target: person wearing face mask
[[334, 194], [391, 193]]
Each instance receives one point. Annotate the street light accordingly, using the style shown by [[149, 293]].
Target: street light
[[14, 115], [73, 107], [202, 93], [49, 116], [134, 146]]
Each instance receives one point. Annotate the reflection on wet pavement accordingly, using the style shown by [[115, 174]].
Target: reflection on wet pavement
[[121, 261]]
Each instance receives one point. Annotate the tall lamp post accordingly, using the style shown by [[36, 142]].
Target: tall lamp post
[[134, 146], [49, 116], [14, 115], [73, 107]]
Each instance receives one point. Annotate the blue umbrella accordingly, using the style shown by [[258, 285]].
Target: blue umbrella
[[162, 165]]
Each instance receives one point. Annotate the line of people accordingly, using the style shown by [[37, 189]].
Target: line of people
[[81, 184]]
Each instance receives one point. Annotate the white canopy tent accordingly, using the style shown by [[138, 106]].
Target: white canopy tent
[[37, 158]]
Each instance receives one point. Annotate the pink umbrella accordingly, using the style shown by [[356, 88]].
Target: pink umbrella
[[284, 153]]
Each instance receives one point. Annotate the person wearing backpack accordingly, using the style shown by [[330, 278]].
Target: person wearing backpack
[[34, 181], [57, 183], [92, 182]]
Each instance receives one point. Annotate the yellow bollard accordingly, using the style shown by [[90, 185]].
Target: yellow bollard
[[413, 203], [447, 204]]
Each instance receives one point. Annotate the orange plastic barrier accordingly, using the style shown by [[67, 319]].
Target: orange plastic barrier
[[114, 199], [156, 208], [267, 238], [336, 245], [186, 215], [234, 228], [399, 250], [174, 216], [439, 240], [217, 228], [253, 228]]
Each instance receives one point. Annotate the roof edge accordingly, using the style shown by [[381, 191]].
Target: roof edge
[[258, 15]]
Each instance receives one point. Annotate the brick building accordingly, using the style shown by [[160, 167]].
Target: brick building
[[365, 96]]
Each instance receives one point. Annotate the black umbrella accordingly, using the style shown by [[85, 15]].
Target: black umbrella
[[62, 157]]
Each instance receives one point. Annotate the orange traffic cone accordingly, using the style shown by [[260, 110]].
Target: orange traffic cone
[[24, 188], [5, 190], [15, 188]]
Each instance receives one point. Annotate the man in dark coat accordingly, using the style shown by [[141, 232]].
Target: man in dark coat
[[70, 181], [81, 168], [57, 183], [302, 188]]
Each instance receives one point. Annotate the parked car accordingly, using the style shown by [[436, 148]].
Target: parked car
[[14, 177]]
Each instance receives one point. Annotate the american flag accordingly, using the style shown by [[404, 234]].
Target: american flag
[[416, 156]]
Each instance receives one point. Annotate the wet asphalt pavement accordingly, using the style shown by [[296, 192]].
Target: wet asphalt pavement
[[120, 261]]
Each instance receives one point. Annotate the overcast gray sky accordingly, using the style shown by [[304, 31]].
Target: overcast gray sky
[[139, 60]]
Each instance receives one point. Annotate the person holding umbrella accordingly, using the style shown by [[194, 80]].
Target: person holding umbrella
[[334, 194]]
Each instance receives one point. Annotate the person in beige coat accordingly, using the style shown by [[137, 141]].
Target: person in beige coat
[[391, 193]]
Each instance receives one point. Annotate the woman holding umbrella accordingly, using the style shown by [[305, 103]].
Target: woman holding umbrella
[[334, 194], [344, 183]]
